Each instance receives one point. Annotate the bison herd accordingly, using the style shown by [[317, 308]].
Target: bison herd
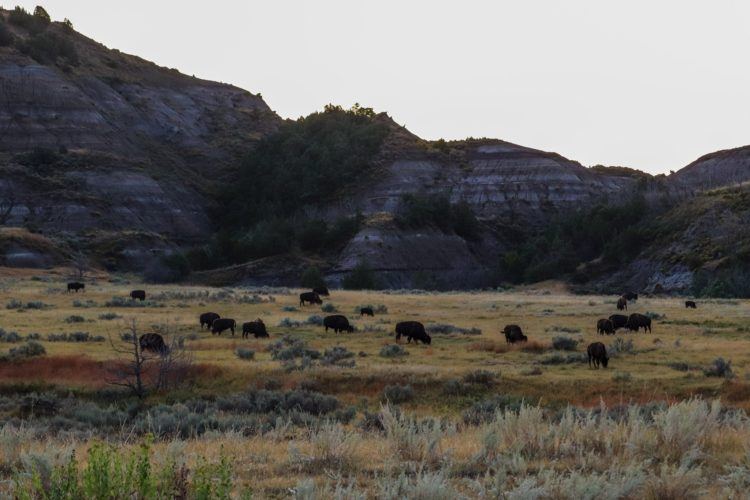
[[411, 330]]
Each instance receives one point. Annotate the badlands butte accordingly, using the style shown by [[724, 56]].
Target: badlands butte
[[111, 160]]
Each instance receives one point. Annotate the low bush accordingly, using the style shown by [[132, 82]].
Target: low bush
[[446, 329], [559, 359], [74, 318], [621, 377], [719, 368], [397, 394], [484, 411], [564, 344], [328, 308], [393, 351], [481, 377], [9, 336], [244, 353], [28, 350], [621, 346], [17, 304], [76, 337], [109, 316], [290, 323], [362, 277], [338, 356]]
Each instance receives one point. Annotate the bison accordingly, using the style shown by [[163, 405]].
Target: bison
[[221, 324], [311, 297], [138, 294], [637, 321], [622, 304], [153, 342], [513, 334], [338, 323], [619, 321], [257, 328], [366, 311], [597, 354], [690, 304], [75, 286], [605, 326], [208, 318], [630, 296], [412, 330], [322, 291]]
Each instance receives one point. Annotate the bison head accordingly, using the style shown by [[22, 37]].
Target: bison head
[[428, 339], [605, 361]]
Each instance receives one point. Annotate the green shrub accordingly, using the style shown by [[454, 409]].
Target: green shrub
[[393, 351], [564, 344], [47, 47], [362, 277], [418, 211], [30, 349], [6, 37], [244, 353], [398, 393], [328, 308], [312, 278], [74, 318], [338, 356], [719, 368], [481, 377]]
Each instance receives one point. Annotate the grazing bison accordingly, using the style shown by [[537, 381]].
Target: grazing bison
[[221, 324], [605, 326], [138, 294], [597, 354], [338, 323], [366, 310], [619, 321], [690, 304], [513, 334], [412, 330], [257, 328], [75, 286], [153, 342], [311, 297], [637, 321], [622, 304], [630, 296], [321, 290], [208, 318]]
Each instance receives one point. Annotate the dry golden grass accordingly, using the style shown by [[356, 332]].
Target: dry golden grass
[[273, 463]]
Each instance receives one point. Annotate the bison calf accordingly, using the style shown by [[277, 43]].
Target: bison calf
[[75, 286], [597, 354], [366, 311], [138, 294], [622, 304], [689, 304]]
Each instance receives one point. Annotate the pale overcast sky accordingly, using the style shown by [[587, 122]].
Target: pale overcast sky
[[650, 84]]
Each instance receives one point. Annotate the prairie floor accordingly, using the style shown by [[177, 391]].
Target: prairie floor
[[664, 366]]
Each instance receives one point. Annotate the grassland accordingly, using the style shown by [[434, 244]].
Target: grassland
[[468, 415]]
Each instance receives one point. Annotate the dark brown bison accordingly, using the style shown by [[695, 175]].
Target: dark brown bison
[[75, 286], [221, 324], [637, 321], [309, 297], [338, 323], [690, 304], [208, 318], [513, 334], [138, 294], [412, 330], [619, 321], [257, 328], [597, 354], [605, 326], [153, 342], [630, 296], [322, 291], [366, 311], [622, 304]]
